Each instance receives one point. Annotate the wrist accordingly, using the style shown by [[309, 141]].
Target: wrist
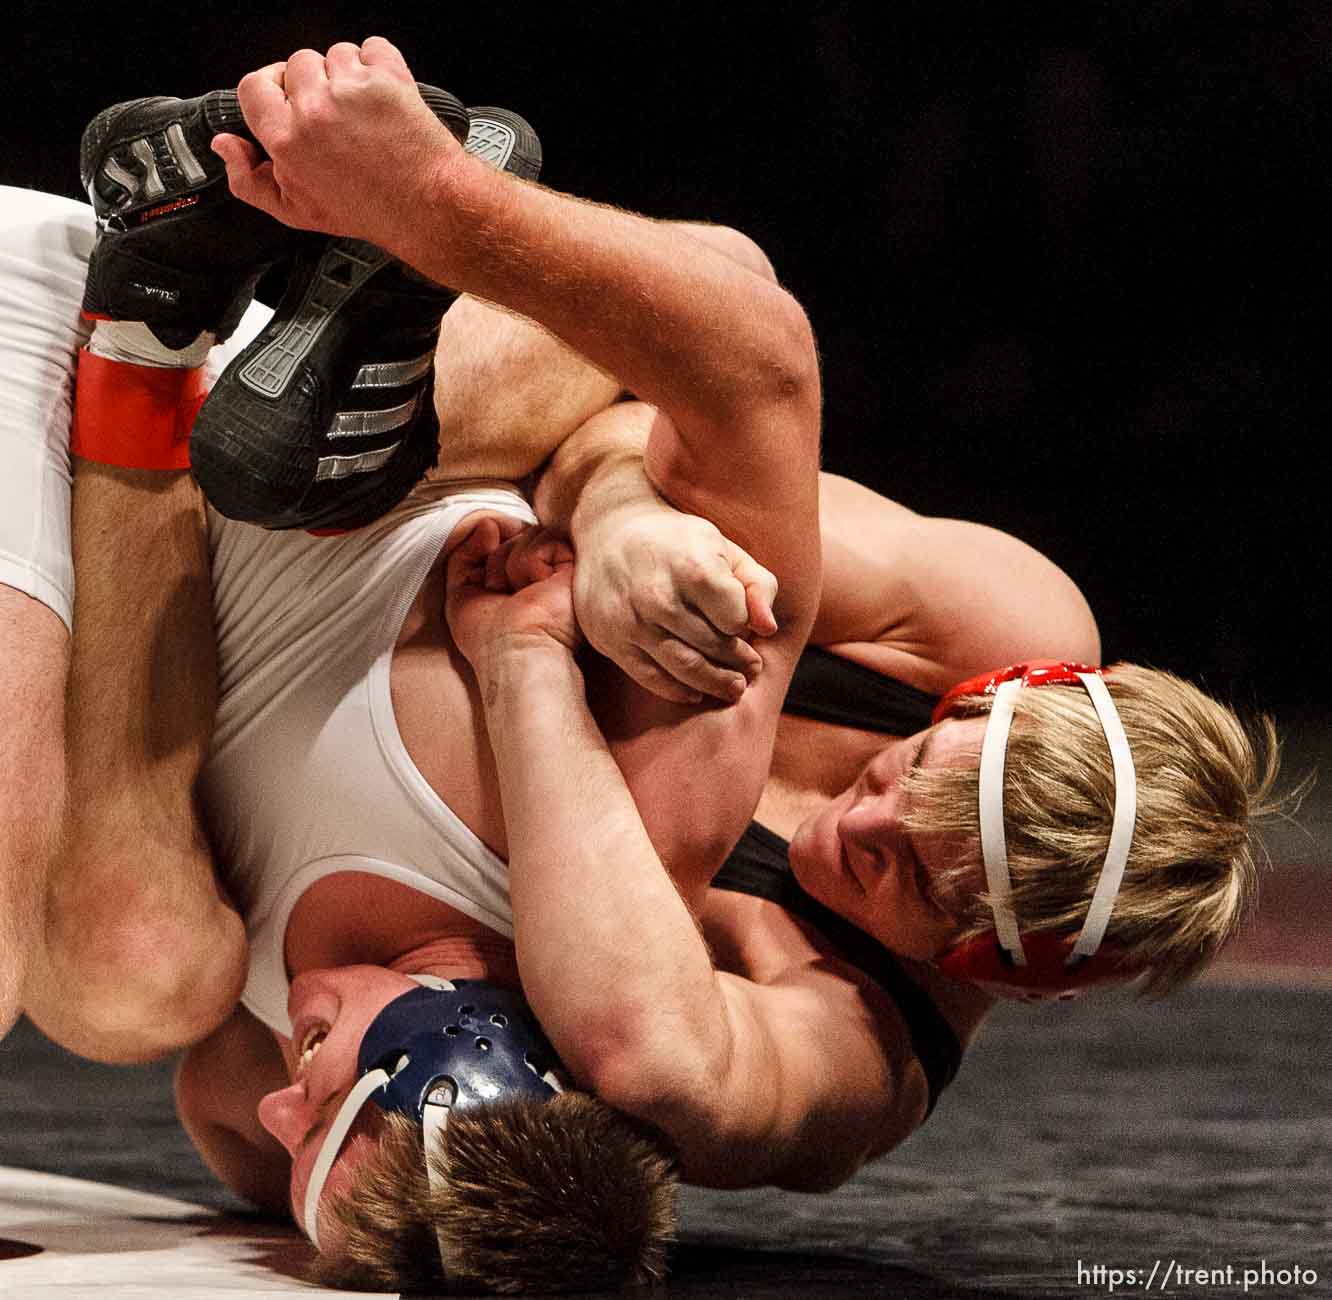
[[458, 201], [616, 490], [511, 666]]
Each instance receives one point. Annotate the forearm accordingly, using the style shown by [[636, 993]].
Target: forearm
[[620, 976], [596, 912], [596, 471], [681, 325]]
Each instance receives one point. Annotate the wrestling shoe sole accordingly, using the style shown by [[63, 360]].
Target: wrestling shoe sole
[[327, 419]]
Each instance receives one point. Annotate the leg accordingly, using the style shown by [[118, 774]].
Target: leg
[[143, 952], [34, 657], [43, 244], [508, 392]]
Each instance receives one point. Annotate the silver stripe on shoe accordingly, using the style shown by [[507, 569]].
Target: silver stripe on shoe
[[364, 424], [147, 186], [127, 180], [336, 467], [184, 155], [393, 374]]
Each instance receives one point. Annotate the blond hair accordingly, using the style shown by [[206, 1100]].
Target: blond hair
[[564, 1195], [1202, 779]]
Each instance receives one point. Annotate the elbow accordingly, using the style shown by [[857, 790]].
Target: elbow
[[670, 1082], [793, 382], [775, 395]]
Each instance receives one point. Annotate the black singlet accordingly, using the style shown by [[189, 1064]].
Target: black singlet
[[833, 689]]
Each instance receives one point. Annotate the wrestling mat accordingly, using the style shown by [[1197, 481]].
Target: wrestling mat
[[67, 1237], [1076, 1140]]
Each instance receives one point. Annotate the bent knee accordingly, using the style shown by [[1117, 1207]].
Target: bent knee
[[141, 987]]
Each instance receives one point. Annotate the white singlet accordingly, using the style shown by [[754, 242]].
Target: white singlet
[[308, 774], [45, 242]]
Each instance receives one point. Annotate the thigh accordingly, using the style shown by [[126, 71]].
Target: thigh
[[142, 952], [34, 659]]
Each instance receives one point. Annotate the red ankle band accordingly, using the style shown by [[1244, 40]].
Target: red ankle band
[[138, 417]]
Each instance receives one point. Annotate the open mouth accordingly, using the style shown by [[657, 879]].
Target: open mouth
[[311, 1041]]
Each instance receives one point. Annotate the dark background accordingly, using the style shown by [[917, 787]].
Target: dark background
[[1063, 261]]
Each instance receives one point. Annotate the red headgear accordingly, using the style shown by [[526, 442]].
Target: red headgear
[[1036, 966]]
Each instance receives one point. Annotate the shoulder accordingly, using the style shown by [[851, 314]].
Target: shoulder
[[839, 1046], [218, 1086], [931, 600]]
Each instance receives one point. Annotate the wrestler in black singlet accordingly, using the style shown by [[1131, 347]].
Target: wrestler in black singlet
[[832, 689]]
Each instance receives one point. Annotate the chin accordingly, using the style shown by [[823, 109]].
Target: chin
[[813, 873]]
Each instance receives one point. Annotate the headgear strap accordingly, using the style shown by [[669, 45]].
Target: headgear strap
[[994, 847], [1041, 965], [514, 1060]]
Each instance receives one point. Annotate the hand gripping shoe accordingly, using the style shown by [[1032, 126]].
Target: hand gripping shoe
[[327, 419], [175, 248]]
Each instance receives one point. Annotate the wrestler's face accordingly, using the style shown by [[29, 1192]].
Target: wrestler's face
[[330, 1011], [856, 856]]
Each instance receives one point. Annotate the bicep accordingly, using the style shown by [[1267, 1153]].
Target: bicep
[[695, 773]]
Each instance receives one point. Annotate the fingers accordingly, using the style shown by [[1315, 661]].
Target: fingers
[[469, 558], [377, 52], [263, 101], [344, 60], [249, 174], [306, 73], [644, 670], [734, 593], [760, 589], [683, 624], [747, 606], [690, 668], [535, 555]]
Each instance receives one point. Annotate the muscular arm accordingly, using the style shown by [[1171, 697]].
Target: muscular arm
[[509, 393], [734, 1073], [931, 601], [726, 353], [723, 352]]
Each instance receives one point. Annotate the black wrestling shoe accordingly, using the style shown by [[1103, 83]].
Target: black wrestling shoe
[[327, 419], [174, 248]]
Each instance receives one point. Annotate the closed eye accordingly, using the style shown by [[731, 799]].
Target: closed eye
[[924, 881]]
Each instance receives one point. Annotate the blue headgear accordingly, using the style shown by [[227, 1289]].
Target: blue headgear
[[444, 1047]]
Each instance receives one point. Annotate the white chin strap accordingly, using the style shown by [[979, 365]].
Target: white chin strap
[[434, 1124], [994, 848], [332, 1144], [435, 1121]]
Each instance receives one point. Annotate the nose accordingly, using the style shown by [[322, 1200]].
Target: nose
[[866, 820], [287, 1115]]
